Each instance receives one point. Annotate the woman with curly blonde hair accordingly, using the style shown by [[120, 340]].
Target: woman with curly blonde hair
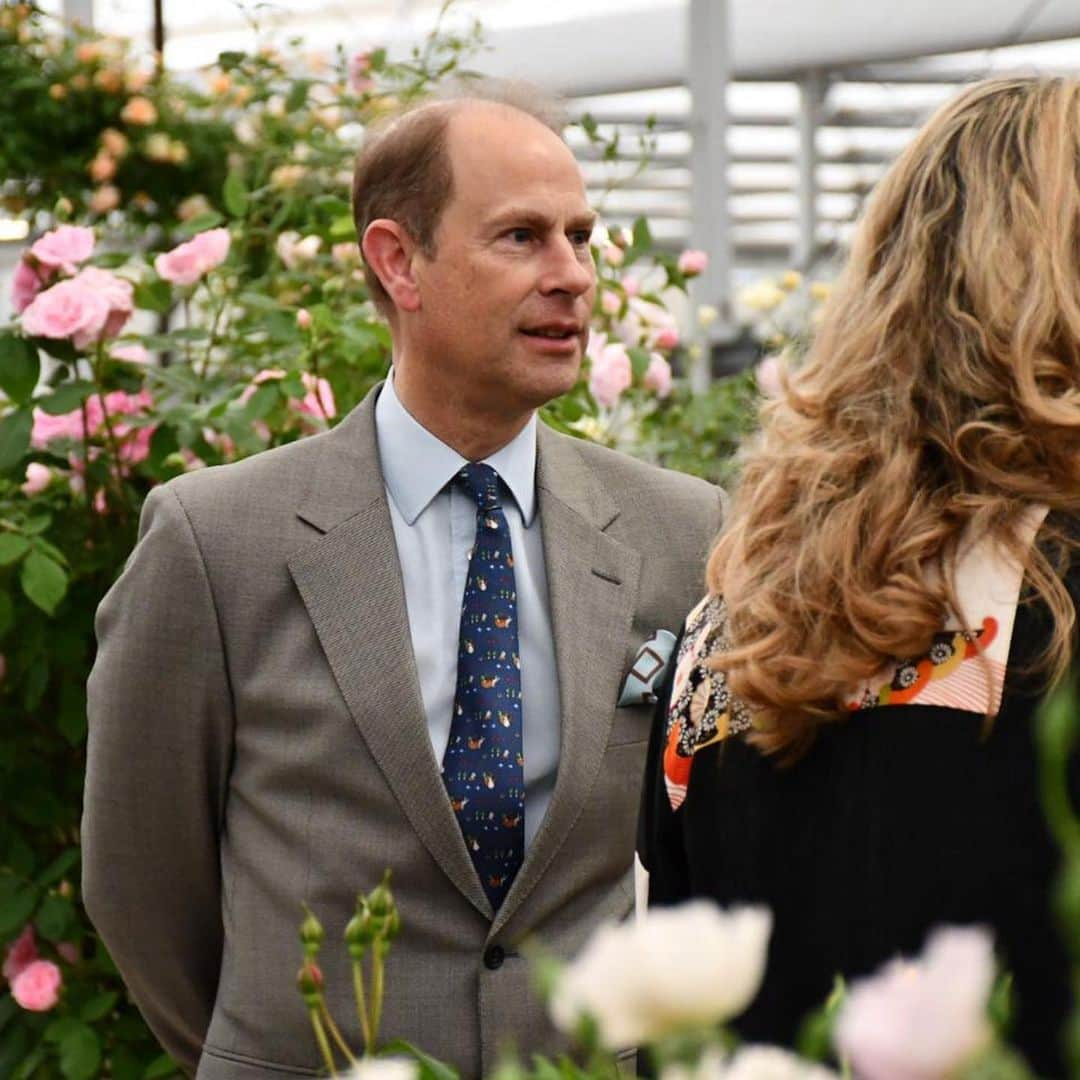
[[848, 733]]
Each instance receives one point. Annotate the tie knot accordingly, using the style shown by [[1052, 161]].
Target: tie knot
[[482, 484]]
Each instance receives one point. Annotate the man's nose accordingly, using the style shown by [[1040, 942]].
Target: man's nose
[[568, 269]]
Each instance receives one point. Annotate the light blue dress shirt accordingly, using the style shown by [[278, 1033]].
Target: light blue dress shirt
[[434, 527]]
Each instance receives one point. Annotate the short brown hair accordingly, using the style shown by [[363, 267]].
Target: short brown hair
[[403, 170]]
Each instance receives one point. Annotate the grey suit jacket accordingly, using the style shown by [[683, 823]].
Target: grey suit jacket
[[257, 739]]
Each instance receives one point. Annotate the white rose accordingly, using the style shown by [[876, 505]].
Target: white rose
[[772, 1063], [920, 1020], [677, 967], [388, 1068]]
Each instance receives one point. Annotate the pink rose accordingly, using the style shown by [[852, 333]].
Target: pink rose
[[64, 248], [359, 68], [610, 302], [185, 264], [70, 425], [769, 376], [610, 371], [921, 1018], [47, 427], [667, 337], [38, 477], [613, 255], [319, 400], [133, 353], [69, 309], [21, 952], [118, 293], [37, 986], [631, 285], [658, 376], [692, 262], [303, 319], [26, 283]]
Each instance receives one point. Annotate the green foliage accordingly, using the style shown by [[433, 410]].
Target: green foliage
[[274, 344]]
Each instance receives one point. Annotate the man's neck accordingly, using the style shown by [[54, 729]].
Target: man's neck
[[452, 419]]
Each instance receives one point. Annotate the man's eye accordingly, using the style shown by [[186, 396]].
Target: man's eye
[[520, 236], [582, 237]]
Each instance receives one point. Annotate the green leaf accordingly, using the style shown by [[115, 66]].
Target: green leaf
[[210, 220], [28, 1065], [13, 546], [60, 866], [154, 295], [343, 228], [16, 910], [263, 400], [71, 716], [15, 431], [54, 918], [99, 1006], [430, 1068], [66, 398], [642, 235], [80, 1052], [297, 96], [37, 524], [60, 348], [20, 368], [44, 581], [7, 614], [14, 1044], [160, 1067], [126, 1064], [234, 194], [8, 1010], [230, 60], [639, 361]]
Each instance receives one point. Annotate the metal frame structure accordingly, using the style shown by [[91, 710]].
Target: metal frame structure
[[752, 182]]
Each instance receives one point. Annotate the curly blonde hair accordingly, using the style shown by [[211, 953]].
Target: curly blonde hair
[[941, 396]]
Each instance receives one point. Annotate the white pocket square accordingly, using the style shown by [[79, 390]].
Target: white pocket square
[[647, 671]]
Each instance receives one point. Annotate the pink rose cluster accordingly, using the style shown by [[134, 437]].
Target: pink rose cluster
[[133, 439], [317, 403], [85, 306], [190, 261], [611, 371], [35, 983]]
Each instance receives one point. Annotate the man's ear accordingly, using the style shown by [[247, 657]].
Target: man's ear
[[388, 250]]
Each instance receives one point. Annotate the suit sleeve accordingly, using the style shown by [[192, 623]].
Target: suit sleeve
[[159, 746]]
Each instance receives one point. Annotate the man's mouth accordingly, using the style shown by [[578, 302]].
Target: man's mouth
[[554, 331]]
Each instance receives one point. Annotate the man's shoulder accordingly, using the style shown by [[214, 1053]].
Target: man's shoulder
[[634, 483]]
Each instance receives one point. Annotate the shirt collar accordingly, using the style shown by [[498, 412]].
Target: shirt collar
[[417, 465]]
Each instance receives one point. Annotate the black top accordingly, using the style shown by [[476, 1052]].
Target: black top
[[898, 819]]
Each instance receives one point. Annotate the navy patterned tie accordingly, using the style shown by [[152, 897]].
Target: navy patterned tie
[[483, 766]]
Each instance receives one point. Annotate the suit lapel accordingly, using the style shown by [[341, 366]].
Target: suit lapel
[[350, 582], [592, 588]]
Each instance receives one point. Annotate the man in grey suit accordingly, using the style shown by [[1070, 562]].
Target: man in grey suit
[[285, 662]]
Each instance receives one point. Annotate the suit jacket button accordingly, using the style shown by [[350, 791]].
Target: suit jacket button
[[494, 955]]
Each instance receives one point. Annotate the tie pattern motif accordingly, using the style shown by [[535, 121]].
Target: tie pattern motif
[[484, 763]]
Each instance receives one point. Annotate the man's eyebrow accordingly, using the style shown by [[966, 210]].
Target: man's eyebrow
[[536, 220]]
